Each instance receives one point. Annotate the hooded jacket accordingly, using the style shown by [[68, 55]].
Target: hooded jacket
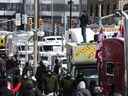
[[82, 90]]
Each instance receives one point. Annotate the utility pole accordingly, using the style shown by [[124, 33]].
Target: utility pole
[[80, 8], [100, 12], [22, 11], [35, 34], [24, 19], [52, 17], [69, 27]]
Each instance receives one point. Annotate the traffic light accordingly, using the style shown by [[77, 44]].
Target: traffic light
[[116, 20], [30, 23], [97, 19], [117, 17], [40, 22]]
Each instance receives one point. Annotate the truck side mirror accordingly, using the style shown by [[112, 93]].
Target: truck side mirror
[[70, 36], [95, 37]]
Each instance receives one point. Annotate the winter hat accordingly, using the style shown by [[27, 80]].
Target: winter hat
[[81, 85]]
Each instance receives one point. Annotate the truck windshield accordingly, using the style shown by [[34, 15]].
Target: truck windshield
[[65, 61], [87, 72]]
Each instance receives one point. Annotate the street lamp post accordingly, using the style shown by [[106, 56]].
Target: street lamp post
[[52, 16], [100, 11], [70, 26], [35, 34], [70, 19]]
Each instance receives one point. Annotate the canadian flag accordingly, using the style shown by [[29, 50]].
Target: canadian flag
[[122, 30]]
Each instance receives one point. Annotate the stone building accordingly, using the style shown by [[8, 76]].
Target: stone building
[[107, 7], [49, 10]]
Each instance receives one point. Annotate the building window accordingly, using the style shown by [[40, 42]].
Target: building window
[[107, 9], [75, 7], [114, 6], [59, 7], [91, 10], [1, 41], [102, 10], [13, 7], [45, 7], [97, 10], [110, 68], [125, 7], [48, 48]]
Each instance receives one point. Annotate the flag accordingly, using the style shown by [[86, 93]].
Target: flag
[[121, 30]]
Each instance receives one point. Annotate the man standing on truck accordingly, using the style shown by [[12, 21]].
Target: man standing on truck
[[83, 24]]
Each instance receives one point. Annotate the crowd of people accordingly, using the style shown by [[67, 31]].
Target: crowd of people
[[44, 82]]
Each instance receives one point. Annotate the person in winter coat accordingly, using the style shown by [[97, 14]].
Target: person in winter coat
[[51, 83], [16, 81], [4, 91], [29, 89], [92, 87], [27, 71], [41, 76], [67, 85], [57, 66], [82, 90]]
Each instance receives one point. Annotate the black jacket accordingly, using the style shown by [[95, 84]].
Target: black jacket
[[28, 89], [5, 92]]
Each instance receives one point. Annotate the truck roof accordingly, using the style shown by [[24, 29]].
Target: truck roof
[[76, 35]]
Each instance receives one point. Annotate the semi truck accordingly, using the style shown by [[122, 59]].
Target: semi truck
[[81, 58]]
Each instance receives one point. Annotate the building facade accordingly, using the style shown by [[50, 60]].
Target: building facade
[[108, 6], [53, 11], [8, 8], [56, 12]]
